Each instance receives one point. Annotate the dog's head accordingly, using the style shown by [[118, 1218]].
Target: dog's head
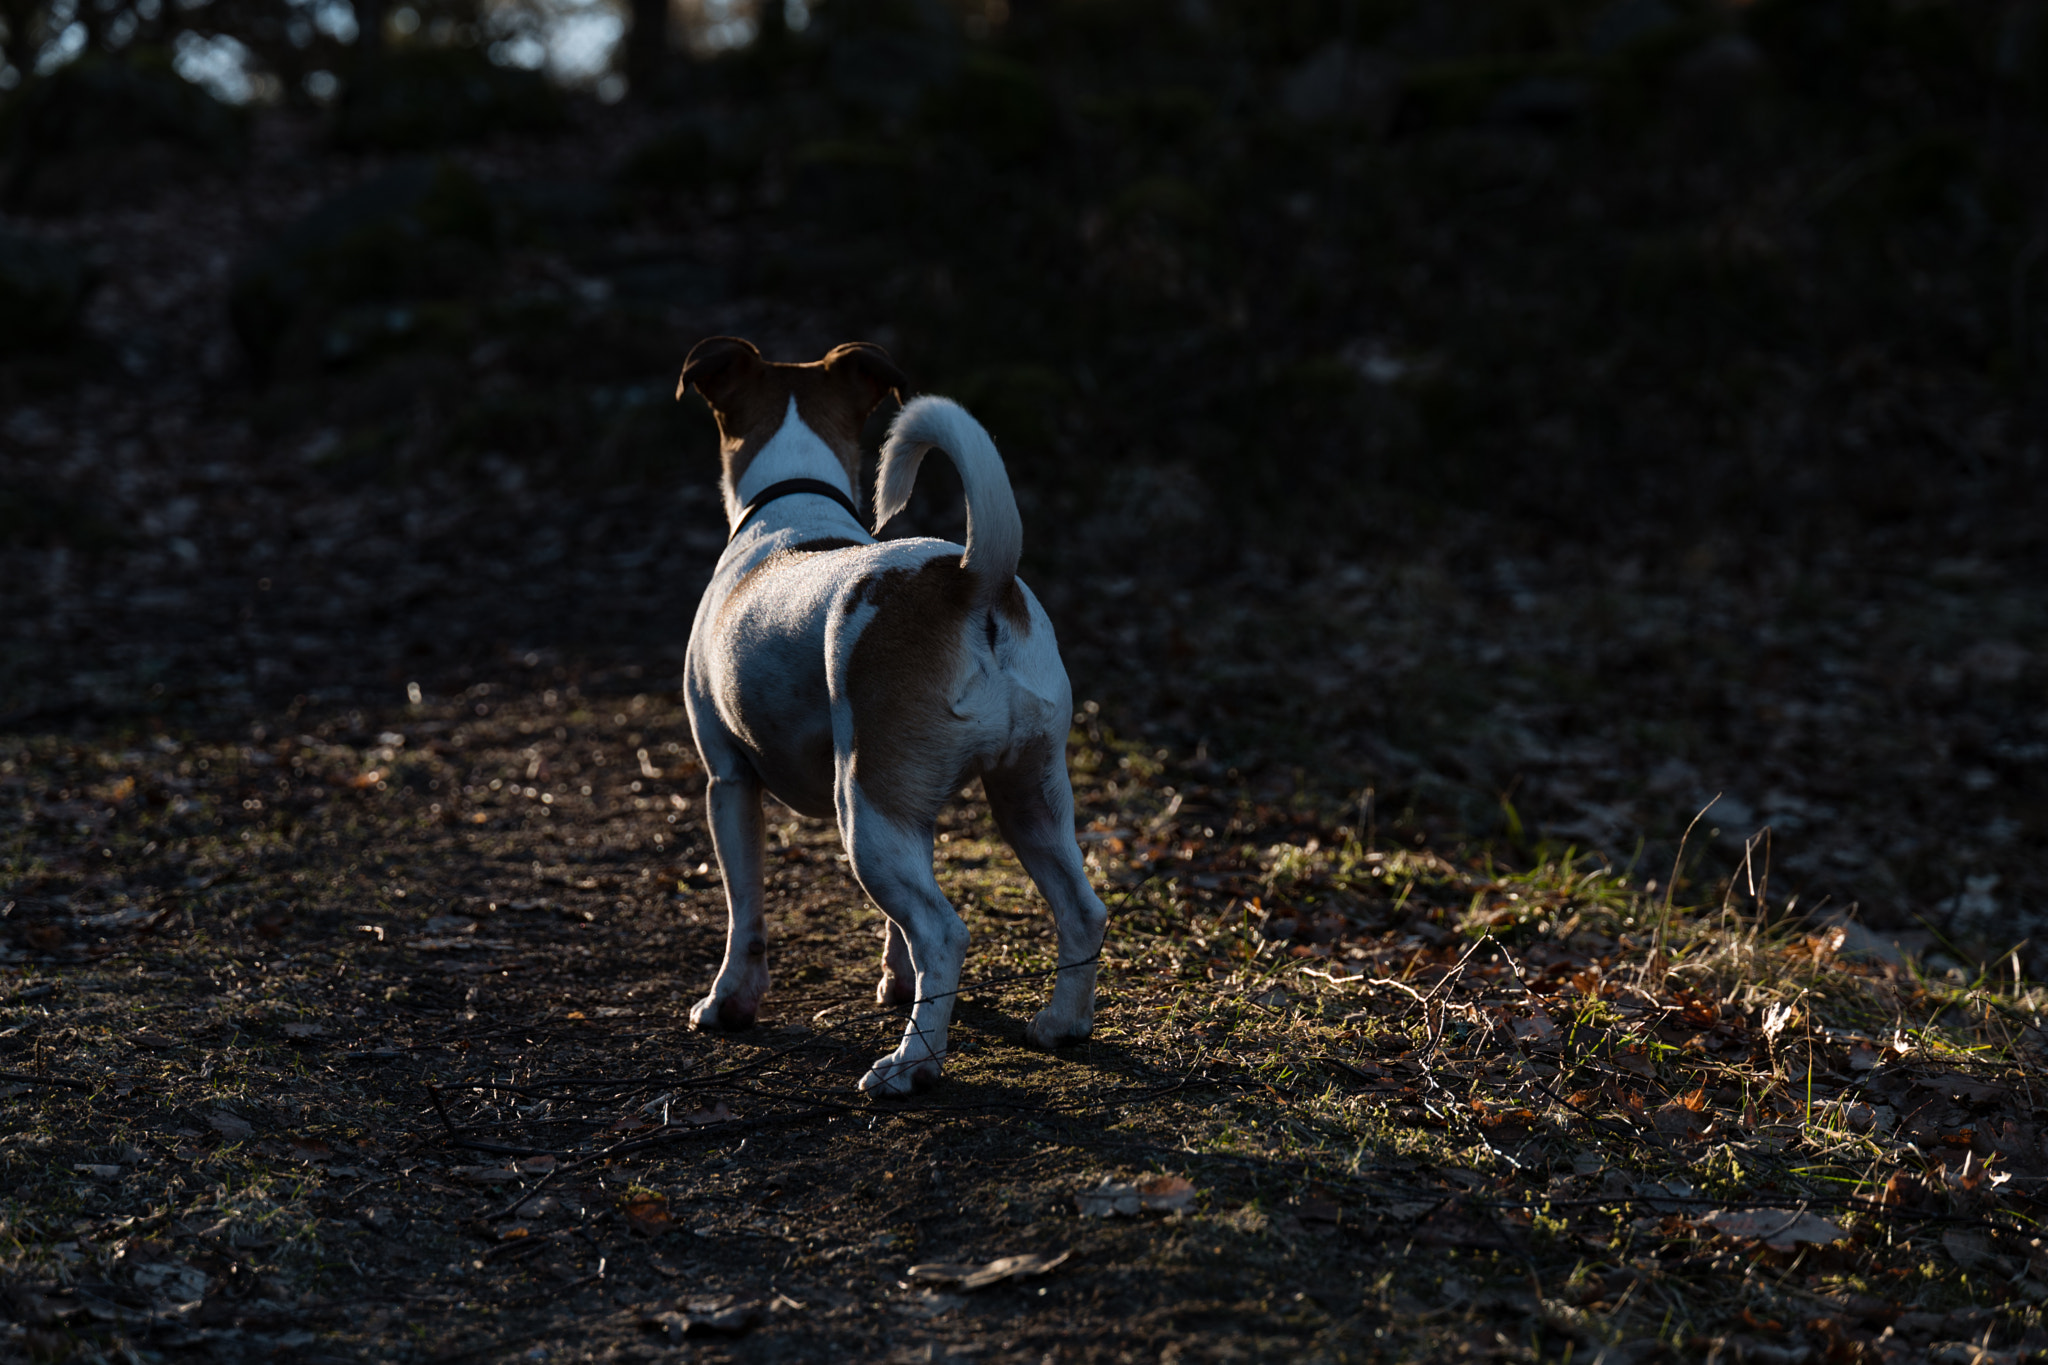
[[751, 397]]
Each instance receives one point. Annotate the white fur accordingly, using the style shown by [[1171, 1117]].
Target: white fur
[[995, 533], [793, 452], [768, 691]]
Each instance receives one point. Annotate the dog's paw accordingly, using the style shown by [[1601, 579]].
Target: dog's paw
[[895, 990], [1049, 1030], [712, 1015], [893, 1077]]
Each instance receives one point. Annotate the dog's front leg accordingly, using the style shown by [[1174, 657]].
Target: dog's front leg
[[734, 797]]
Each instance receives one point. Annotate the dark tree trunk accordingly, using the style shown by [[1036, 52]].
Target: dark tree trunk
[[369, 27], [647, 45], [24, 23]]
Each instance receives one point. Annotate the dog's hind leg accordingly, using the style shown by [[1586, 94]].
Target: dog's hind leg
[[894, 865], [1034, 808], [734, 801]]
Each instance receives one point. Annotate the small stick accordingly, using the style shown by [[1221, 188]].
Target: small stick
[[33, 1079]]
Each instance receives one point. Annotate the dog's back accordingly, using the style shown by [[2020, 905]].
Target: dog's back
[[931, 659]]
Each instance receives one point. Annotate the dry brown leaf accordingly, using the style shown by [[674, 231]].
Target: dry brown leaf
[[1973, 1251], [1154, 1194], [230, 1127], [714, 1113], [647, 1214], [1779, 1229], [485, 1175], [981, 1276]]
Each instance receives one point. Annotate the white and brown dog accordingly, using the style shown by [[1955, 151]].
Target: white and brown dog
[[868, 681]]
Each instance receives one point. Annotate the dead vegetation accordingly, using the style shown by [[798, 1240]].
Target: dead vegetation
[[365, 1039]]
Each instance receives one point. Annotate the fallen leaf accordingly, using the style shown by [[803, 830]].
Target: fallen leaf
[[1779, 1229], [2037, 1260], [485, 1175], [708, 1315], [1685, 1117], [647, 1215], [174, 1280], [981, 1276], [228, 1126], [1973, 1251], [674, 1325], [716, 1113], [1538, 1028], [1635, 1061], [1958, 1086], [1317, 1210], [1154, 1194], [1857, 1116]]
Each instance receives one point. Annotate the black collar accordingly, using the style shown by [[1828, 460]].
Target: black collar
[[787, 488]]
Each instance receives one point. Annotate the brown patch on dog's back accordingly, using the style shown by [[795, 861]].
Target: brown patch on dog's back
[[900, 682], [750, 397]]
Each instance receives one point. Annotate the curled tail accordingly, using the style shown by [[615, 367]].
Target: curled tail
[[995, 533]]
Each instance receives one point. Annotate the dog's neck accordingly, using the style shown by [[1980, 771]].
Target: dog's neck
[[793, 452]]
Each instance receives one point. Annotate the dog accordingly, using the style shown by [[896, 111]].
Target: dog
[[869, 681]]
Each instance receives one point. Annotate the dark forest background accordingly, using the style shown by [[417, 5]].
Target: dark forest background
[[1545, 414]]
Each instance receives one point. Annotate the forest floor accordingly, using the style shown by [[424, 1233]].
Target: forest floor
[[354, 890], [368, 1039]]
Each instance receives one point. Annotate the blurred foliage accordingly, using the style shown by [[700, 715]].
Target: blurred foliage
[[347, 279], [1343, 266], [43, 288], [100, 132], [426, 96]]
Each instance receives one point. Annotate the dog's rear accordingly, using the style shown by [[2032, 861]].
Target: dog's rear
[[945, 669], [940, 666]]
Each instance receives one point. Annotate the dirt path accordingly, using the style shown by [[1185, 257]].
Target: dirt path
[[367, 1040]]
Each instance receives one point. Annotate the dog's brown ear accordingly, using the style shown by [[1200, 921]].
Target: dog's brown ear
[[869, 368], [715, 365]]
